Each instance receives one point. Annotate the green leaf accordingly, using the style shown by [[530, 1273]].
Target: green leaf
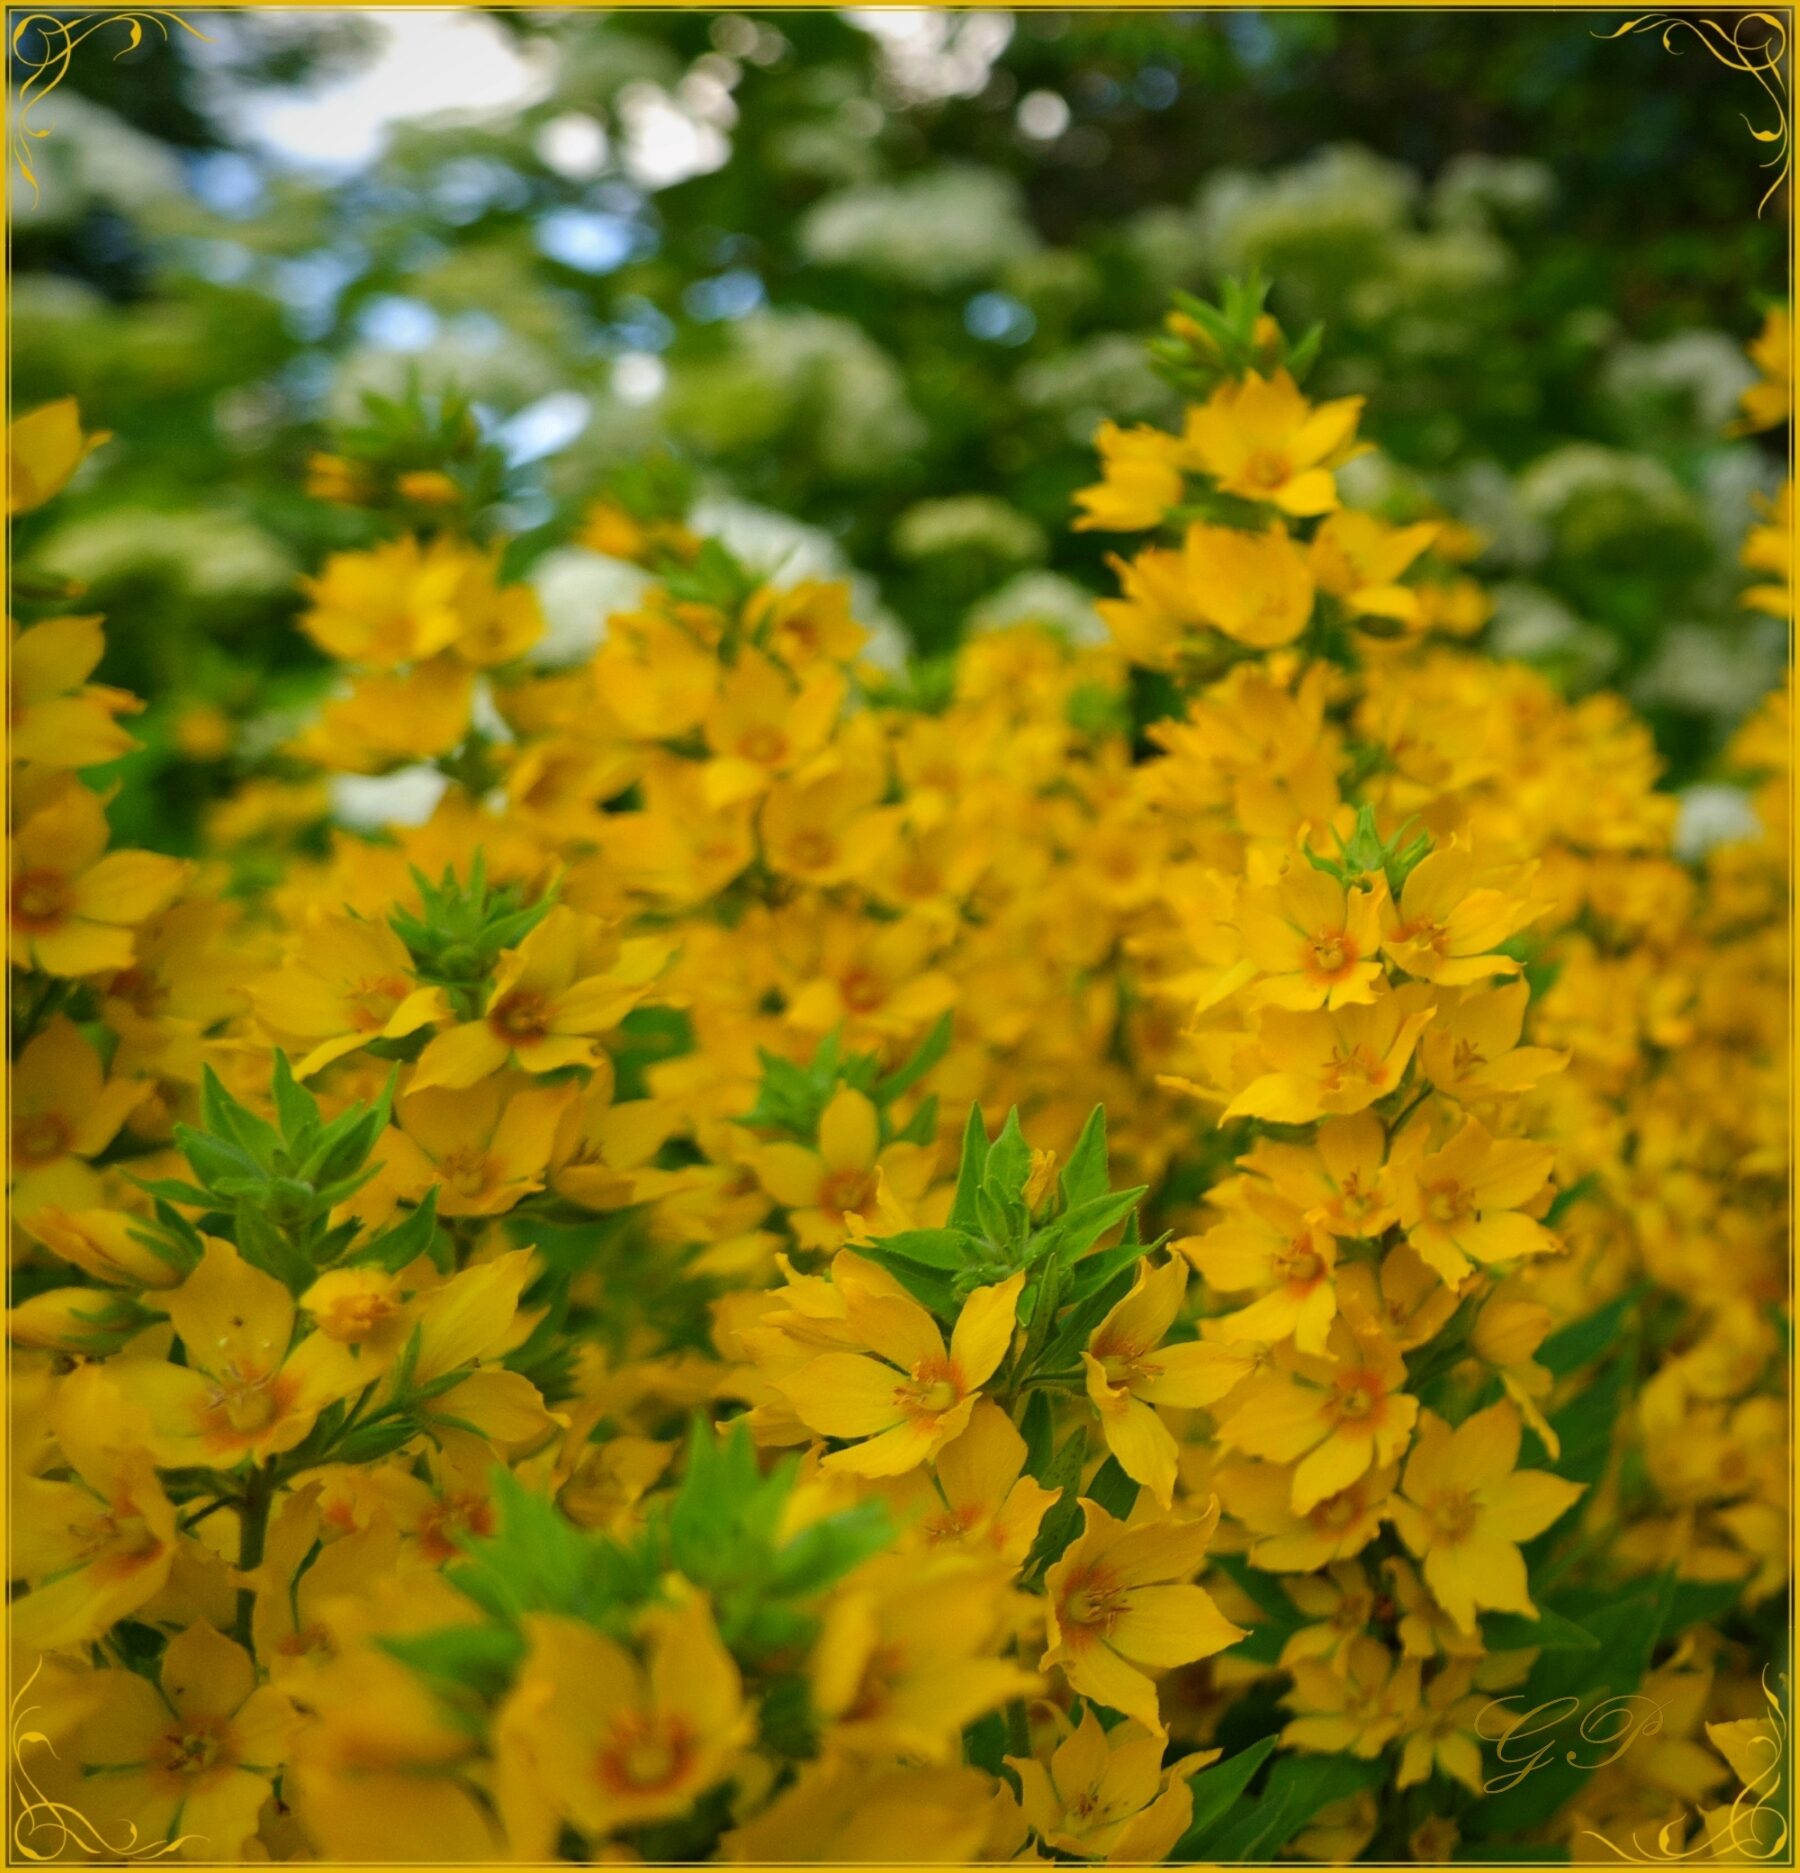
[[1112, 1489], [963, 1212], [926, 1056], [1008, 1162], [406, 1241], [483, 1658], [1549, 1632], [934, 1290], [1586, 1339], [294, 1105], [1564, 1689], [934, 1248], [1085, 1174], [1215, 1790], [1298, 1787], [1038, 1428], [1081, 1227]]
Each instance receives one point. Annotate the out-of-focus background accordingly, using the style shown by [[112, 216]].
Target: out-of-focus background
[[872, 279]]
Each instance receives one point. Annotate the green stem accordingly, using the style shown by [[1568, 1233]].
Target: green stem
[[259, 1494]]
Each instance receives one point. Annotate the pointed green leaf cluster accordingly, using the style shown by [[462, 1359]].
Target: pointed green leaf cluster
[[272, 1188], [462, 925], [724, 1532], [999, 1225], [1365, 853], [792, 1098], [1227, 343]]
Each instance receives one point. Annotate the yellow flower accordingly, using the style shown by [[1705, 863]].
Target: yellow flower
[[1106, 1794], [1471, 1050], [347, 982], [830, 1190], [1359, 559], [544, 1012], [761, 724], [106, 1244], [483, 1147], [1341, 1181], [1342, 1601], [195, 1758], [1260, 1496], [43, 449], [74, 905], [1460, 1205], [1770, 548], [1445, 1732], [1261, 440], [987, 1503], [403, 602], [1274, 1249], [841, 1810], [1339, 1060], [1141, 480], [1254, 587], [902, 1401], [615, 1742], [1356, 1705], [1332, 1418], [1121, 1605], [905, 1655], [64, 1110], [1463, 1509], [243, 1392], [388, 718], [1130, 1372], [1450, 920], [1768, 403], [1313, 943], [58, 718], [99, 1544]]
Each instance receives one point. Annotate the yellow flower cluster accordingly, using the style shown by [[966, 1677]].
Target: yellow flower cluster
[[531, 1341]]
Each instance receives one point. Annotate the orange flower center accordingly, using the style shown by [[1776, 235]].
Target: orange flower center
[[1092, 1603], [520, 1015], [465, 1170], [40, 1138], [40, 900], [765, 744], [142, 989], [645, 1754], [1337, 1514], [1360, 1062], [950, 1524], [1330, 957], [444, 1525], [811, 850], [242, 1401], [199, 1745], [372, 1001], [1266, 468], [936, 1386], [846, 1192], [1447, 1203], [1356, 1397], [861, 991], [1299, 1262], [1452, 1513]]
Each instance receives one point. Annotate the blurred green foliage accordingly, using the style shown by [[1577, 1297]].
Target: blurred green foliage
[[875, 279]]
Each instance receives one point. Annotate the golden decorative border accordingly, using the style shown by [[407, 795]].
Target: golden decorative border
[[1742, 1836], [1762, 58], [52, 65], [38, 1815]]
